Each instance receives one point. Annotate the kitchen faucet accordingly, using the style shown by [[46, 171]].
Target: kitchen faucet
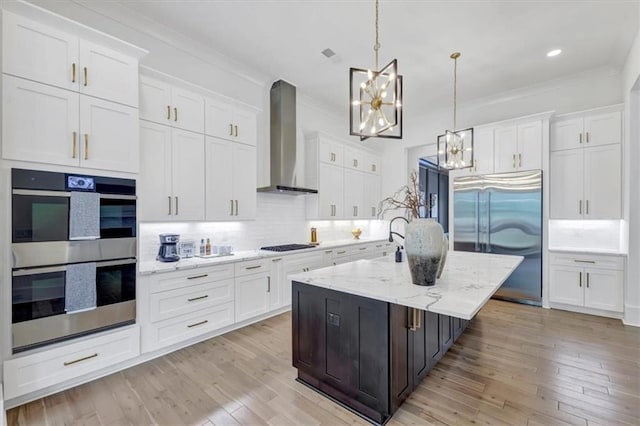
[[393, 232]]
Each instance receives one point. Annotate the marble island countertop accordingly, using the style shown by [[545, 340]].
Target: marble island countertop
[[467, 282], [153, 266]]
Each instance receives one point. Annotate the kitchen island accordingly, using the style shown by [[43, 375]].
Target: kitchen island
[[365, 336]]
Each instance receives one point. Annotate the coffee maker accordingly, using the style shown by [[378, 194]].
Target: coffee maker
[[168, 248]]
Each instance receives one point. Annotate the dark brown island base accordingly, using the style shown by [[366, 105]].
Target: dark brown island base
[[367, 355]]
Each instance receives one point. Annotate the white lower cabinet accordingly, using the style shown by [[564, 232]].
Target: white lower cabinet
[[585, 281], [252, 289], [34, 372]]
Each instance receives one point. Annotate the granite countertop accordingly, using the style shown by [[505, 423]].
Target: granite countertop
[[586, 250], [153, 266], [467, 282]]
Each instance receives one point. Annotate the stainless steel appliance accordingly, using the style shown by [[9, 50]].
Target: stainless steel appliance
[[43, 252], [287, 247], [502, 214], [168, 251]]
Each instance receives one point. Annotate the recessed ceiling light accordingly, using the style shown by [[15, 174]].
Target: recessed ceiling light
[[554, 52]]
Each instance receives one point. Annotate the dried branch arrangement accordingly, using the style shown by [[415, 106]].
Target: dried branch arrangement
[[409, 197]]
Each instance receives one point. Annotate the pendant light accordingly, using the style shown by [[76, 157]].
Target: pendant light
[[375, 99], [455, 147]]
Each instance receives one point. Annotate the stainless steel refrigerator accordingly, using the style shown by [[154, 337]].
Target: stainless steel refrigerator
[[502, 214]]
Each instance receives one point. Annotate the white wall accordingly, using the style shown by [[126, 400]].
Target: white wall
[[631, 92]]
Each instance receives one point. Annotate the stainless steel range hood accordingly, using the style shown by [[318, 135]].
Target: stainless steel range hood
[[283, 142]]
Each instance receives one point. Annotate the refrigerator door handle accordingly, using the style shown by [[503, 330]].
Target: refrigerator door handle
[[488, 248], [477, 242]]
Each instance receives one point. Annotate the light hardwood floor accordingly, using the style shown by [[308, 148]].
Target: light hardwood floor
[[514, 365]]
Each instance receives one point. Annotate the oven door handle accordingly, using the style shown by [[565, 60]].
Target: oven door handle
[[38, 192], [63, 268]]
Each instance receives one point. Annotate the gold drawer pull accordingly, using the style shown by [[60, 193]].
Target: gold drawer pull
[[328, 251], [193, 299], [276, 260], [253, 267], [362, 248], [73, 73], [197, 276], [75, 144], [68, 363], [86, 146], [175, 114], [168, 112], [86, 78], [584, 261], [198, 323], [342, 252]]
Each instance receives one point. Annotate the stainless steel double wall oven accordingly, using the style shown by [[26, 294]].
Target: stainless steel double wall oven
[[43, 253]]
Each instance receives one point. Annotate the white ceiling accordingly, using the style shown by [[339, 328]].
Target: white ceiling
[[503, 43]]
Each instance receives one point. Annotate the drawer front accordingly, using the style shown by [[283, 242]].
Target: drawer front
[[252, 267], [169, 304], [305, 262], [586, 260], [181, 328], [38, 371], [182, 279]]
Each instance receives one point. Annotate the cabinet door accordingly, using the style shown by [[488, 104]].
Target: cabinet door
[[245, 127], [279, 288], [603, 182], [155, 100], [330, 191], [433, 329], [603, 289], [155, 202], [566, 285], [219, 171], [603, 129], [107, 74], [354, 159], [505, 147], [187, 110], [402, 342], [566, 185], [566, 133], [39, 123], [530, 146], [40, 53], [244, 181], [218, 119], [109, 135], [252, 298], [371, 163], [483, 152], [187, 152], [331, 152], [354, 194], [371, 196]]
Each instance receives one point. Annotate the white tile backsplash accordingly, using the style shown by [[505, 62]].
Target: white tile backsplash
[[586, 234], [280, 219]]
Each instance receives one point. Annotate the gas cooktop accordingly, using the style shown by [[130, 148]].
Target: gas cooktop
[[287, 247]]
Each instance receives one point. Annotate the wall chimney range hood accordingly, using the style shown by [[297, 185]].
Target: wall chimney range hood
[[283, 141]]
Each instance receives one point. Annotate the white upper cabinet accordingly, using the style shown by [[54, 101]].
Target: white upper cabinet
[[354, 159], [330, 151], [187, 155], [40, 123], [598, 127], [518, 147], [483, 152], [165, 104], [372, 188], [354, 194], [227, 121], [586, 165], [38, 52], [48, 55]]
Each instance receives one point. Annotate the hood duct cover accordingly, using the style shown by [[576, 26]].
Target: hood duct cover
[[283, 141]]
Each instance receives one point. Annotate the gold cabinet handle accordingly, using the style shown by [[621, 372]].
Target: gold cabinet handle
[[514, 161], [230, 129], [587, 137], [231, 211], [341, 252], [86, 146], [253, 267], [519, 160], [175, 114], [195, 277], [585, 261], [236, 207], [73, 73], [268, 284], [86, 77], [580, 137], [587, 280], [198, 323], [236, 127], [169, 198], [168, 112], [75, 361], [580, 279], [587, 209], [193, 299], [176, 206], [75, 144], [580, 207]]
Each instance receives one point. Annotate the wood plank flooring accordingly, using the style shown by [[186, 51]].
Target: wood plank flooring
[[515, 365]]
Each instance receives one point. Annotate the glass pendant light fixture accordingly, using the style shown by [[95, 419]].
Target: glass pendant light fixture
[[375, 99], [455, 147]]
